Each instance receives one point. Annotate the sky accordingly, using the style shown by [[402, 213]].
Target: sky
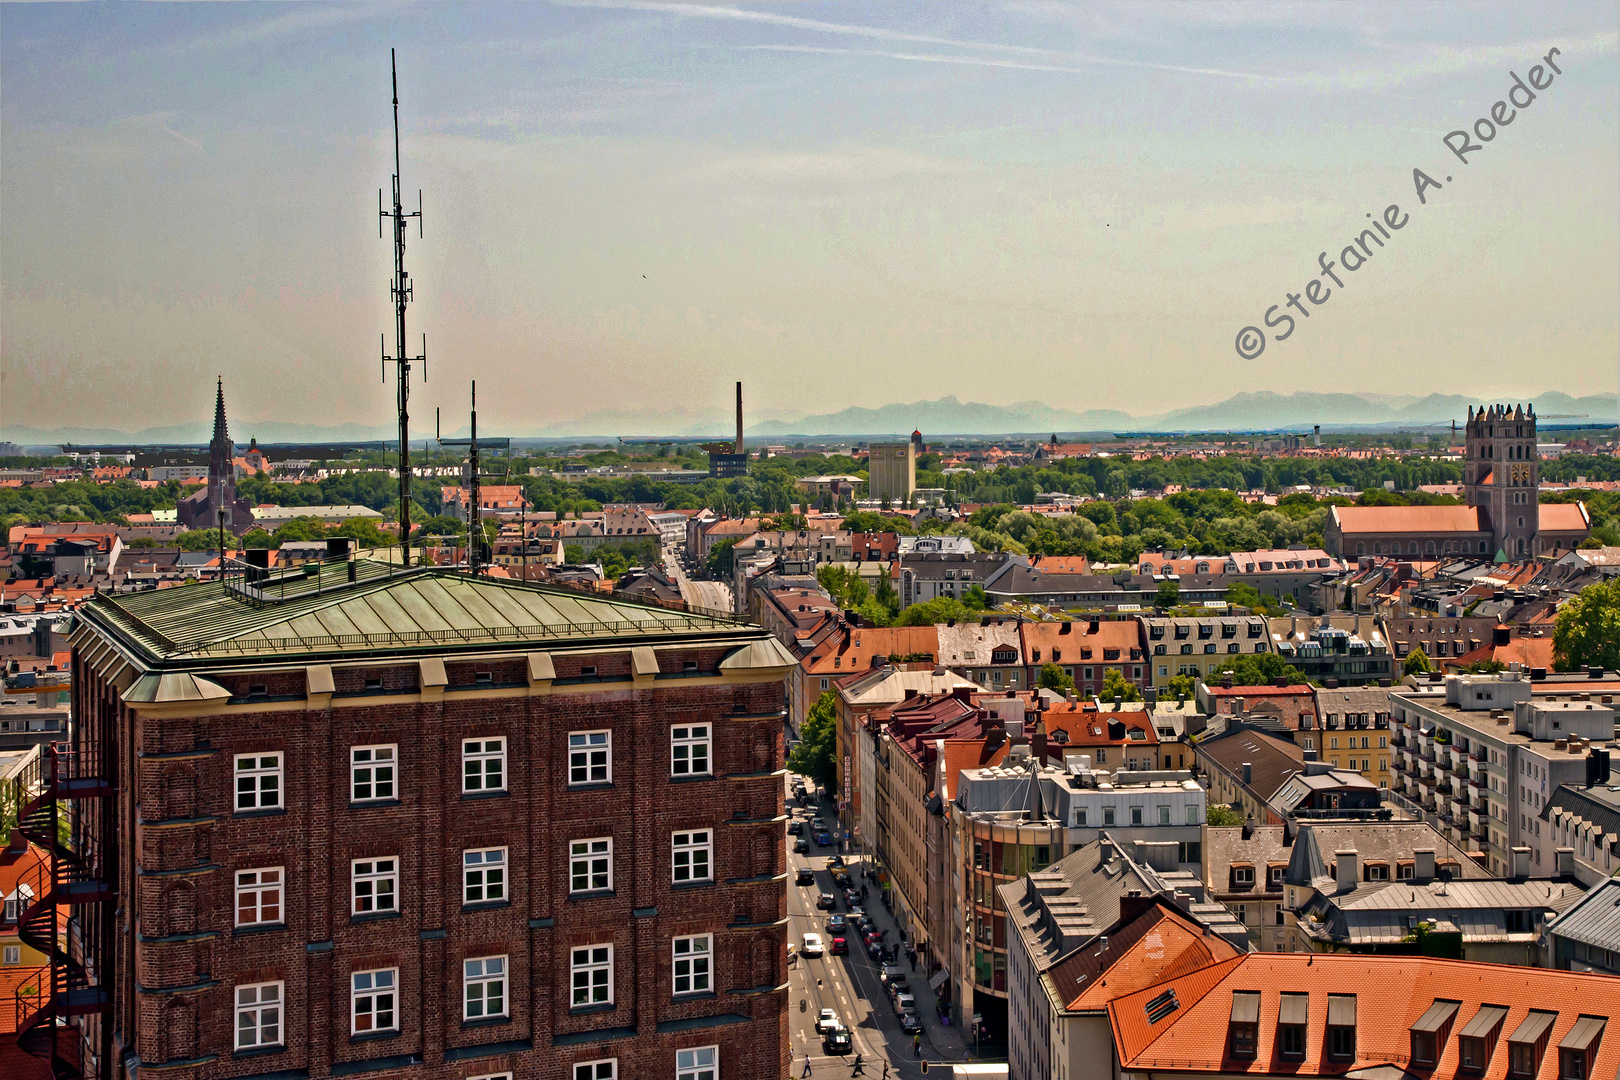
[[628, 206]]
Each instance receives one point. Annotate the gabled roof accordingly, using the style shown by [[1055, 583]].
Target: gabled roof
[[1161, 943], [1564, 517], [1271, 761], [1409, 519], [1594, 919], [384, 609]]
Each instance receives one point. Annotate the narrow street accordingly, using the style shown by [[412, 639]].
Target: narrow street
[[849, 984], [710, 595]]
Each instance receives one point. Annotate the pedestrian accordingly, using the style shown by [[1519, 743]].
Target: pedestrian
[[806, 1072], [916, 1045], [860, 1069], [885, 1071]]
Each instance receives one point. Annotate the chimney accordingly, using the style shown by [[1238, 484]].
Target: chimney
[[739, 448], [1566, 862], [1248, 773], [1423, 864], [1501, 635], [1519, 867], [1347, 873], [1038, 741], [1134, 904]]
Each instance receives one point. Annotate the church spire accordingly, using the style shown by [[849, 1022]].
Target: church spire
[[220, 431]]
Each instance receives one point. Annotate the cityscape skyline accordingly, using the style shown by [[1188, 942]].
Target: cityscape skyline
[[841, 205]]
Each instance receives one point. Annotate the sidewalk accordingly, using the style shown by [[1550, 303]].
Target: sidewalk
[[939, 1043]]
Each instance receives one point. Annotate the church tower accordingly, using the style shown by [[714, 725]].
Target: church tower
[[1502, 475], [221, 468]]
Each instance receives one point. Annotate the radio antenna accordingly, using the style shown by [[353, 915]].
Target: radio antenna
[[401, 289]]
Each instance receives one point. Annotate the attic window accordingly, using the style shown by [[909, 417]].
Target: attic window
[[1528, 1042], [1431, 1030], [257, 690], [1477, 1041], [587, 671], [1162, 1006], [373, 684], [1575, 1053], [1293, 1016], [1245, 1031], [1341, 1026], [483, 678]]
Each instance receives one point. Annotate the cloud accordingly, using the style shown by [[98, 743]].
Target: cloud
[[710, 11], [986, 61]]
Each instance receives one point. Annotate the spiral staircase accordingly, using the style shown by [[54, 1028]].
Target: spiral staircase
[[69, 877]]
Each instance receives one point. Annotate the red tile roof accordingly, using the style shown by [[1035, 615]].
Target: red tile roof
[[1392, 993], [1564, 517], [1409, 519]]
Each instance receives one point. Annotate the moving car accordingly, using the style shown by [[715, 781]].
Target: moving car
[[837, 1041], [874, 948], [841, 878], [824, 839], [910, 1024], [801, 846], [812, 945], [806, 876], [795, 828], [839, 947], [827, 1020], [826, 902], [836, 862], [905, 1003], [837, 924], [817, 824]]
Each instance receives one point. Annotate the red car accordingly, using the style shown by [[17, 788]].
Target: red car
[[839, 947]]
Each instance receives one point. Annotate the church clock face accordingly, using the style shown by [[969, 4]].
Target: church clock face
[[1521, 474]]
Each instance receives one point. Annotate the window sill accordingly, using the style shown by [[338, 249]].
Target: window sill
[[691, 779], [681, 885], [271, 811], [581, 1010], [486, 1021], [374, 916], [592, 894], [257, 928], [368, 804], [501, 794], [695, 995], [486, 905], [374, 1036], [258, 1051], [595, 785]]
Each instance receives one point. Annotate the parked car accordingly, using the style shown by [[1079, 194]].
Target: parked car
[[817, 824], [812, 945], [898, 985], [841, 878], [826, 902], [852, 898], [837, 924], [827, 1020], [839, 947], [910, 1024], [858, 917], [795, 828], [824, 839], [801, 846], [805, 876], [836, 862], [874, 949], [837, 1041], [905, 1003]]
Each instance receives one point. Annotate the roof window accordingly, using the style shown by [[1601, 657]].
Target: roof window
[[1430, 1032], [1477, 1041], [1293, 1016], [1245, 1029], [1528, 1042], [1341, 1027]]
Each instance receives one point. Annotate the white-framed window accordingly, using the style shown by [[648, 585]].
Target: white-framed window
[[1193, 816], [371, 1001], [590, 864], [375, 885], [12, 955], [258, 1015], [698, 1063], [483, 981], [1164, 815], [691, 856], [689, 750], [258, 896], [590, 757], [592, 969], [693, 960], [483, 875], [483, 764], [601, 1069], [371, 772], [258, 781]]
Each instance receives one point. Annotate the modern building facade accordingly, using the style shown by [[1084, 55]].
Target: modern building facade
[[365, 820], [891, 471]]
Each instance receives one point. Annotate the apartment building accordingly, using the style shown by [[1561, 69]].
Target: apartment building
[[1335, 650], [1481, 756], [366, 820], [1197, 646], [1086, 651]]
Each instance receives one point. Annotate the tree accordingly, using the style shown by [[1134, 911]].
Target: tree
[[1053, 677], [1223, 816], [718, 564], [1261, 669], [975, 597], [1587, 633], [816, 754], [1181, 686], [938, 610], [573, 554], [1169, 595], [1117, 687], [1416, 663]]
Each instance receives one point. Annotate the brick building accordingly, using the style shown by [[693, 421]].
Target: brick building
[[417, 824]]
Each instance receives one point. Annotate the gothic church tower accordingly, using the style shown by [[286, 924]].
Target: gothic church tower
[[1502, 475]]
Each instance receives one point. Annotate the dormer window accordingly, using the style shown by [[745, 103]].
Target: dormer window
[[1528, 1042], [1245, 1026], [1293, 1018], [1575, 1053], [1477, 1042], [1341, 1027], [1242, 876], [1431, 1030]]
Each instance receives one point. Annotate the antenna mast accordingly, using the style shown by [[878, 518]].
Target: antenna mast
[[474, 478], [401, 289]]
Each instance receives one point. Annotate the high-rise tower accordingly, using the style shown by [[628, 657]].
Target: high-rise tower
[[1502, 475], [221, 467]]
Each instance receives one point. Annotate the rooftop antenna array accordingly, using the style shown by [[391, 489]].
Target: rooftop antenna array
[[475, 503], [402, 291]]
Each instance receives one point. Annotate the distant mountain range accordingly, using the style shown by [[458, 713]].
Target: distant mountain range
[[1263, 411]]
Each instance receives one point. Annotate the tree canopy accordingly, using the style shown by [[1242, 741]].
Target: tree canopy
[[816, 754], [1258, 669], [1587, 631]]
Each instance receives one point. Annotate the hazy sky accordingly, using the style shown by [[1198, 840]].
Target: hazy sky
[[630, 205]]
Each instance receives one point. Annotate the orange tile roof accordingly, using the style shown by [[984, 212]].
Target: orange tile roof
[[1564, 517], [840, 653], [1409, 519], [1158, 945], [962, 754], [1391, 992]]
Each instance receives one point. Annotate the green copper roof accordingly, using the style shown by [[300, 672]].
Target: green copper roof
[[384, 609]]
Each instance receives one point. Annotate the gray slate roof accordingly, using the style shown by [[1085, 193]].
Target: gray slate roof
[[1594, 919]]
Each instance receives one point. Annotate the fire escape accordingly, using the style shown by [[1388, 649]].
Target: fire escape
[[63, 793]]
